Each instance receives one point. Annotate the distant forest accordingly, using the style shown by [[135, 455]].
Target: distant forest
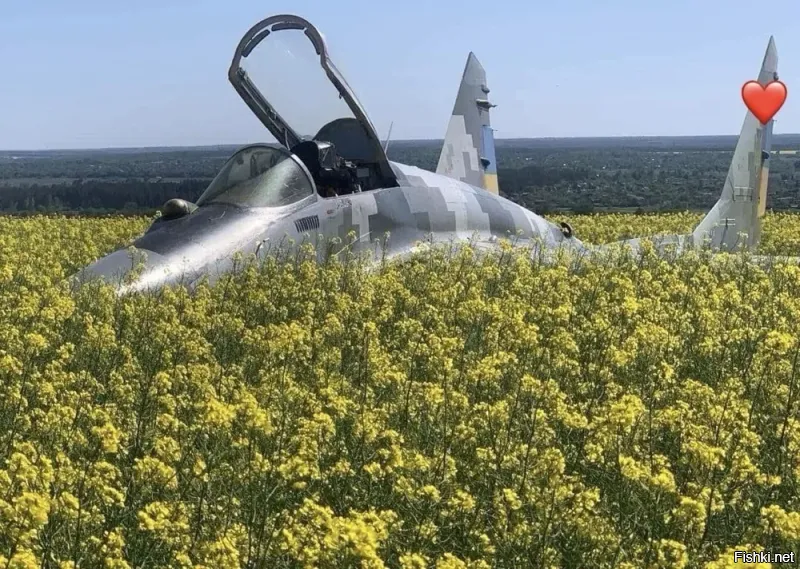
[[546, 175]]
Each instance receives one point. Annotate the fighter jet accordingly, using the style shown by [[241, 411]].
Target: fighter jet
[[734, 223], [339, 182]]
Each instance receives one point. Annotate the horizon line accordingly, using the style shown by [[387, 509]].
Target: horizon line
[[431, 140]]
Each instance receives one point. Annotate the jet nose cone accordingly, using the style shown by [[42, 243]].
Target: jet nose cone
[[134, 270]]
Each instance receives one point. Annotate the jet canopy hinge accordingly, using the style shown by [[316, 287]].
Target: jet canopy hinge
[[484, 104]]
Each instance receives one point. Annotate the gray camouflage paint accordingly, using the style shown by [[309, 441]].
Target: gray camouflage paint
[[465, 155], [734, 222], [422, 207], [389, 221]]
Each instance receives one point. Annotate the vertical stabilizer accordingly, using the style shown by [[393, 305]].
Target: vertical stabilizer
[[735, 220], [468, 153]]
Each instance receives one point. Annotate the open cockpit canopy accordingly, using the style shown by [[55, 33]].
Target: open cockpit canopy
[[282, 70]]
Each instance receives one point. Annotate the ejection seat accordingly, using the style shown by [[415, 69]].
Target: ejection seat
[[327, 169]]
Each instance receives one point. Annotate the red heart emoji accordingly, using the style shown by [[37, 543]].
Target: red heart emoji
[[764, 102]]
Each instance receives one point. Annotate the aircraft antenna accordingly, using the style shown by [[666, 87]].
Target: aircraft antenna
[[388, 137]]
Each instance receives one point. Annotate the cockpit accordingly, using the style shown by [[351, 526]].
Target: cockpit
[[333, 175], [282, 70], [267, 176], [259, 176], [303, 92]]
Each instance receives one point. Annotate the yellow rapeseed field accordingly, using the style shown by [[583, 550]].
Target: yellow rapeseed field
[[452, 412]]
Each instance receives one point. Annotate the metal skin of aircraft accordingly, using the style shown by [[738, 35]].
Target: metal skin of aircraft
[[340, 183]]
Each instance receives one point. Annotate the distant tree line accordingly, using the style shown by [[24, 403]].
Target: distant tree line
[[98, 196], [545, 176]]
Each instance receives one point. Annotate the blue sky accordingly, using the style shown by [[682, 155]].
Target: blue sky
[[108, 73]]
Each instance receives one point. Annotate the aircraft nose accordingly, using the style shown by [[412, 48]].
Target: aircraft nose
[[151, 271], [181, 251]]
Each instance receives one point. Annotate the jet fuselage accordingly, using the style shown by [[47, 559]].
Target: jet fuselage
[[390, 222]]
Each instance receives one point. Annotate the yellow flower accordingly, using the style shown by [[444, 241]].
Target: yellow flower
[[413, 561], [457, 408]]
